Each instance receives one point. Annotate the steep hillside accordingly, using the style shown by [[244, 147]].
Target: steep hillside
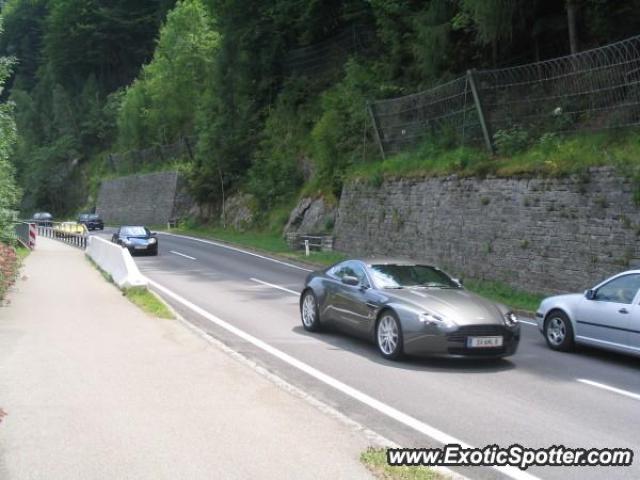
[[270, 103]]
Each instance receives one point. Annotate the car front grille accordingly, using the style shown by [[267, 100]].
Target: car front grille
[[463, 332], [458, 340]]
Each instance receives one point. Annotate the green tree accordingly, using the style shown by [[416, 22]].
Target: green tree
[[9, 192], [160, 106]]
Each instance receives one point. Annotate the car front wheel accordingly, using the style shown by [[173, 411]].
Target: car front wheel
[[309, 312], [389, 336], [558, 331]]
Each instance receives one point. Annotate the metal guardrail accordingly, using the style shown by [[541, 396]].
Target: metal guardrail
[[323, 243], [57, 231], [22, 233]]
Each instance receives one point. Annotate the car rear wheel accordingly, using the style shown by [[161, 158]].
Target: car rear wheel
[[389, 336], [309, 312], [558, 331]]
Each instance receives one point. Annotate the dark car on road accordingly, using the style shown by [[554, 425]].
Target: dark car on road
[[405, 307], [137, 239], [91, 220], [43, 219]]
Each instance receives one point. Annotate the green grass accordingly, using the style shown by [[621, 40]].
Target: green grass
[[267, 242], [506, 294], [375, 459], [148, 302], [550, 155], [22, 252], [140, 296]]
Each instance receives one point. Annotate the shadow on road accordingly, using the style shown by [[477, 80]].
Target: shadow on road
[[342, 341]]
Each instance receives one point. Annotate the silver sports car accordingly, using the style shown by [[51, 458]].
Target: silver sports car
[[605, 316], [409, 308]]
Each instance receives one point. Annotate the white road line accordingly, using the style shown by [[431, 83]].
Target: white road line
[[275, 286], [222, 245], [619, 391], [419, 426], [181, 254]]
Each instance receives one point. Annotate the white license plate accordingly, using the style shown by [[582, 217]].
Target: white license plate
[[140, 247], [484, 342]]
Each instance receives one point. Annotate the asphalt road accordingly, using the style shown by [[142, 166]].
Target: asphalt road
[[534, 398]]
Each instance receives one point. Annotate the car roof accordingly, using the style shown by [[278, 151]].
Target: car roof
[[132, 226], [390, 261]]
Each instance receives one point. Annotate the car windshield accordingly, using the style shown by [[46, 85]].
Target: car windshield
[[134, 232], [93, 216], [400, 276]]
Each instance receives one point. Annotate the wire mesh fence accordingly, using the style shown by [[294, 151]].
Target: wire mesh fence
[[592, 90], [330, 54], [447, 109], [135, 159]]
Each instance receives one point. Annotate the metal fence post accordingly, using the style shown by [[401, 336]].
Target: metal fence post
[[375, 130], [486, 132]]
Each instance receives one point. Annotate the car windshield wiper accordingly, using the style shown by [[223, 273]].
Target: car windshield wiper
[[398, 287]]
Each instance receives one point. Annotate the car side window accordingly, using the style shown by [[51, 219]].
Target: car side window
[[338, 271], [355, 270], [619, 290]]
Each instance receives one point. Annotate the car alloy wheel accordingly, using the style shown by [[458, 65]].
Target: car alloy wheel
[[309, 312], [389, 336], [559, 332]]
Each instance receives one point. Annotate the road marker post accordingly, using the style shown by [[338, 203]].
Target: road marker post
[[33, 233], [306, 248]]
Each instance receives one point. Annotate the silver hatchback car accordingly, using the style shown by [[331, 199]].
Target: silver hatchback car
[[605, 316]]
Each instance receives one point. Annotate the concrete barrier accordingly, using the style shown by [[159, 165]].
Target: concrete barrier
[[116, 261]]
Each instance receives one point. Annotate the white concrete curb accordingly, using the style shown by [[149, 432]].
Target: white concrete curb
[[116, 261]]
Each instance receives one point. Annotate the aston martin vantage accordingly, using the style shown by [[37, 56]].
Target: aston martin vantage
[[407, 308]]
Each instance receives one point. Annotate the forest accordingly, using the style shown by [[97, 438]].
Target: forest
[[270, 96]]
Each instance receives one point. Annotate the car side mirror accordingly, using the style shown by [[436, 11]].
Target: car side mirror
[[154, 234], [458, 281], [590, 294], [349, 280]]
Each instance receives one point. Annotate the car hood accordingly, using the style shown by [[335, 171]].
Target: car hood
[[138, 240], [567, 298], [459, 305]]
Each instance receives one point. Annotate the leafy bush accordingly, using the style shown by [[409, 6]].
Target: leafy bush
[[511, 140], [337, 142], [276, 173], [9, 192]]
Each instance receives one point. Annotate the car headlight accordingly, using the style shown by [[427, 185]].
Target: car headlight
[[152, 241], [430, 318], [510, 319]]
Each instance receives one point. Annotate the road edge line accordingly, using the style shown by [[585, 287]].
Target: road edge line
[[376, 438], [391, 412]]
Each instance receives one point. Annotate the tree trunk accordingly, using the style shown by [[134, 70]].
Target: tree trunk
[[572, 12]]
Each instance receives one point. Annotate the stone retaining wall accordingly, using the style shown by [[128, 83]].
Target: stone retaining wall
[[544, 235], [150, 199]]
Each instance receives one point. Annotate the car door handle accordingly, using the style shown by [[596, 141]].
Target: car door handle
[[623, 310]]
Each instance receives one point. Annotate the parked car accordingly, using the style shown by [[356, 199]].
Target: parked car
[[43, 219], [137, 239], [66, 229], [605, 316], [405, 307], [91, 220]]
